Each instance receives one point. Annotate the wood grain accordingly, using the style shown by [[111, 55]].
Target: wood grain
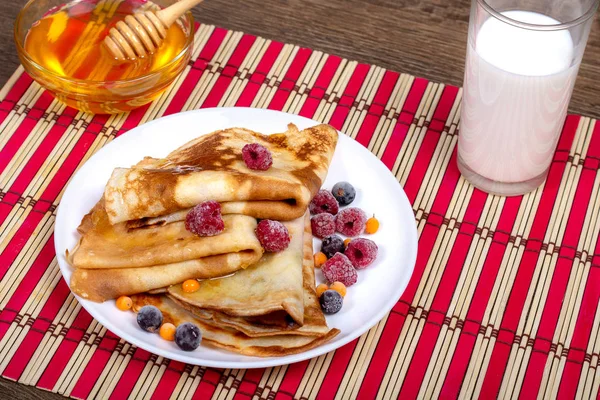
[[14, 391], [425, 38]]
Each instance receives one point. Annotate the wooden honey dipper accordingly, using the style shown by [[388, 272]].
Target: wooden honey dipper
[[143, 32]]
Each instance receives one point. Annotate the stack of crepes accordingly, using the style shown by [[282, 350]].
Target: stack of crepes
[[134, 241]]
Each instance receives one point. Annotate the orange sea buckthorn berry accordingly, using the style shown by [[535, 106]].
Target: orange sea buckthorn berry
[[347, 241], [124, 303], [321, 288], [190, 286], [339, 287], [320, 259], [372, 225], [167, 331]]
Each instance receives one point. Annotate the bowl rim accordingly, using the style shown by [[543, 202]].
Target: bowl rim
[[25, 55]]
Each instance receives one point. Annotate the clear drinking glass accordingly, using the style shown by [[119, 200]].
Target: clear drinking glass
[[522, 60]]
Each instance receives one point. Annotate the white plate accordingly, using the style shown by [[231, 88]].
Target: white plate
[[378, 288]]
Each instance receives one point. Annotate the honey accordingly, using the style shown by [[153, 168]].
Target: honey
[[67, 41]]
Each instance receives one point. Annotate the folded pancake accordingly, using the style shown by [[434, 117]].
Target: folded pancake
[[273, 284], [103, 245], [211, 168], [230, 339], [276, 323], [112, 260], [104, 284]]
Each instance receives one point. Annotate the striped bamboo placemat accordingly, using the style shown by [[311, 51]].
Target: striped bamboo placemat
[[503, 300]]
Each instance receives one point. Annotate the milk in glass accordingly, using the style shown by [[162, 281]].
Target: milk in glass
[[518, 83]]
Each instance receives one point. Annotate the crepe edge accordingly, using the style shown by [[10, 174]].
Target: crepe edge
[[276, 351], [297, 330]]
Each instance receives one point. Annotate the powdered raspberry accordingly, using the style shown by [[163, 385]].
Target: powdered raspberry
[[205, 219], [257, 157], [324, 202], [361, 252], [322, 225], [339, 268], [351, 221], [272, 235]]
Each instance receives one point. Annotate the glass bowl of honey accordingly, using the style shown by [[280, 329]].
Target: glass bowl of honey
[[59, 43]]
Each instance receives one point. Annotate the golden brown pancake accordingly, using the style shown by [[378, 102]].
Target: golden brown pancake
[[230, 339], [275, 323], [104, 284], [273, 284], [112, 260], [103, 245], [211, 167]]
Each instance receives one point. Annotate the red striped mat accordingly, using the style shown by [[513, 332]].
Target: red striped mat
[[503, 300]]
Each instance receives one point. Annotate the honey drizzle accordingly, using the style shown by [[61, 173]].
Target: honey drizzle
[[67, 42], [83, 60]]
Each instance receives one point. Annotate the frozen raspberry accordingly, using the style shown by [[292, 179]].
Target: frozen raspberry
[[339, 269], [331, 245], [322, 225], [205, 219], [324, 202], [272, 235], [351, 221], [257, 157], [361, 252]]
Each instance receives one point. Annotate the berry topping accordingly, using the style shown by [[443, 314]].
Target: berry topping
[[372, 225], [346, 241], [167, 331], [361, 252], [339, 287], [205, 219], [188, 336], [331, 245], [323, 225], [339, 268], [331, 301], [124, 303], [324, 202], [272, 235], [321, 288], [149, 318], [257, 157], [320, 259], [344, 193], [351, 221], [190, 286]]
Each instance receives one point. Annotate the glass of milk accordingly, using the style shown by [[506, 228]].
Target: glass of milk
[[522, 61]]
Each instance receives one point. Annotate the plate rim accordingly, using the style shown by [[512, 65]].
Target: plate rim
[[257, 362]]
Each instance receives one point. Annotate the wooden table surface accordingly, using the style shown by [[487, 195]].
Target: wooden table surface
[[426, 38]]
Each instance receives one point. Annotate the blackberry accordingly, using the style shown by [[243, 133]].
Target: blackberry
[[149, 318], [332, 244], [331, 301], [344, 193], [188, 336]]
